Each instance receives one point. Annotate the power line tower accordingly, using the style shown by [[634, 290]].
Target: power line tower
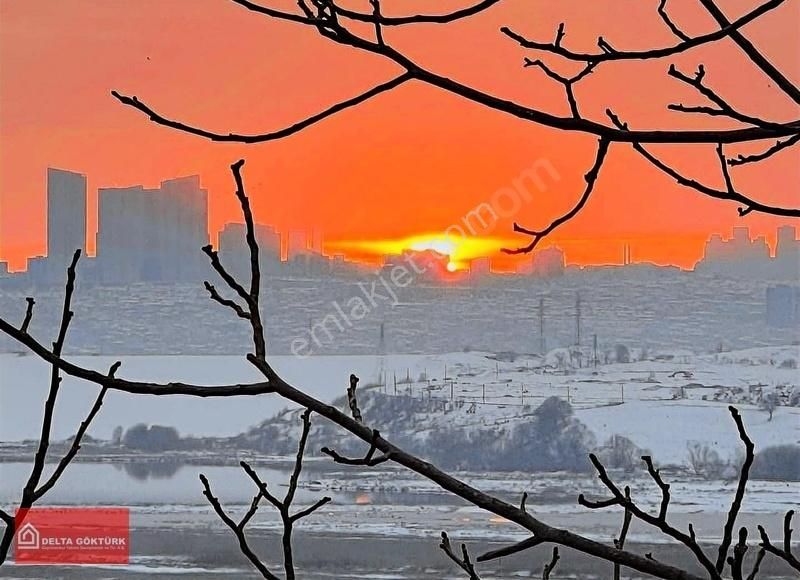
[[382, 340], [577, 320]]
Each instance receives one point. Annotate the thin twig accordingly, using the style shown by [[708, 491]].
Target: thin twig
[[744, 476], [591, 179], [28, 314], [548, 568], [462, 561]]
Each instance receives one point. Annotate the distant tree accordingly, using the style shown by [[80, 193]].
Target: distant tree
[[778, 463], [622, 353], [152, 438], [554, 438], [116, 436], [769, 403], [620, 452], [705, 461]]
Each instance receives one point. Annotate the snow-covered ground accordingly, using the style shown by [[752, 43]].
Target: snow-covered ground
[[663, 403]]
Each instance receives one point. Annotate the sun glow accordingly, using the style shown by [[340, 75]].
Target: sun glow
[[460, 251]]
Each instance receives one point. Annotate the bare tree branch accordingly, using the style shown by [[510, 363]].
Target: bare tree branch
[[744, 476], [134, 102], [28, 314], [662, 12], [376, 14], [252, 299], [591, 179], [737, 560], [619, 542], [757, 565], [419, 18], [237, 529], [724, 109], [369, 458], [329, 27], [462, 561], [74, 448], [29, 491], [778, 146], [283, 506], [214, 295], [786, 553], [752, 52], [660, 522], [548, 568], [33, 491], [352, 400], [726, 30], [568, 83], [749, 203], [655, 474], [512, 549]]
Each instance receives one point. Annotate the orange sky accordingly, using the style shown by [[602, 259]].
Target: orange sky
[[412, 161]]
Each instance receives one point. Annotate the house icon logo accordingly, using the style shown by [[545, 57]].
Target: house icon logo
[[28, 537]]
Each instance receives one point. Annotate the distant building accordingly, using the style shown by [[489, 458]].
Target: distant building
[[317, 242], [480, 267], [737, 256], [783, 306], [66, 216], [3, 269], [297, 244], [153, 235], [235, 253], [548, 262], [787, 252]]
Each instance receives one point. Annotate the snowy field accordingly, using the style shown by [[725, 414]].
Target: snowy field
[[662, 405], [664, 402]]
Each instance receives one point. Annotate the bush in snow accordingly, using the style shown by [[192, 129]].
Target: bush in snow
[[152, 438], [706, 462], [554, 440], [619, 452], [778, 463]]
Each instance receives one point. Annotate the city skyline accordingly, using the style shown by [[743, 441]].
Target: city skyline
[[462, 249], [403, 164]]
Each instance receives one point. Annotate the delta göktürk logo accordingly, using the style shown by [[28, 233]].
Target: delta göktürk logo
[[72, 536]]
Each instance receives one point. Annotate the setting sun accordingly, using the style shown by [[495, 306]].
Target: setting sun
[[460, 251]]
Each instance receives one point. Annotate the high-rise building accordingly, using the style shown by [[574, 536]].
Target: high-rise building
[[788, 247], [153, 234], [297, 244], [66, 215], [317, 242], [738, 255], [548, 262], [235, 253]]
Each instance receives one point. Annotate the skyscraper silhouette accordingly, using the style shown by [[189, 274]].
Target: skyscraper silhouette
[[66, 215]]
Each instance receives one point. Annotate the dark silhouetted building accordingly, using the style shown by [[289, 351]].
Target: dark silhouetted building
[[235, 254], [153, 235], [66, 216], [549, 262]]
